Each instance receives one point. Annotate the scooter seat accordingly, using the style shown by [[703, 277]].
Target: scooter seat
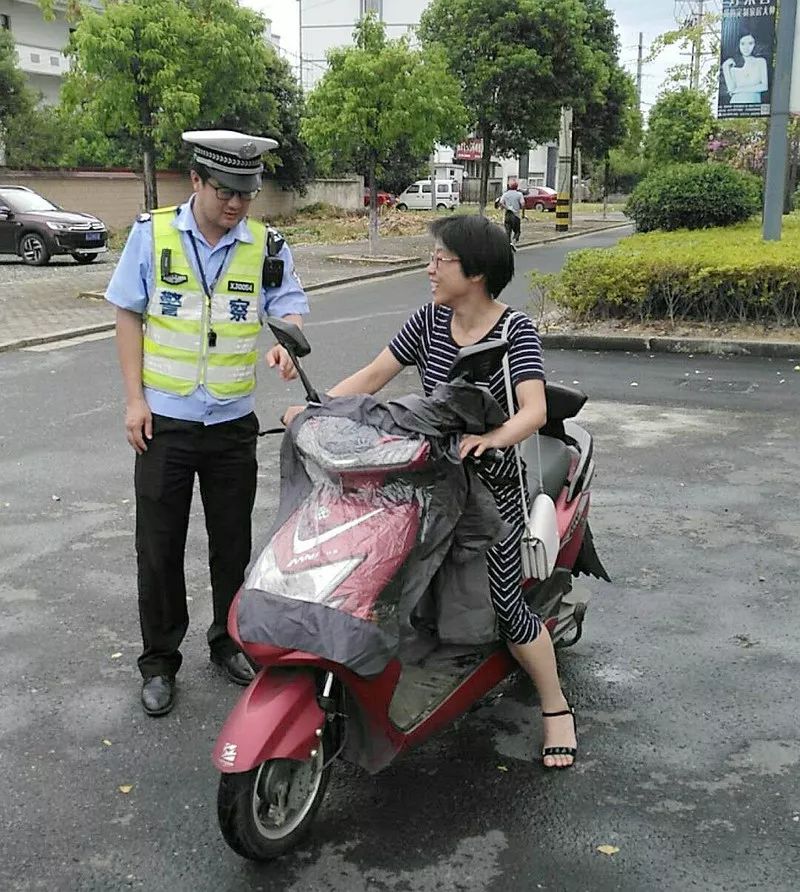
[[556, 461]]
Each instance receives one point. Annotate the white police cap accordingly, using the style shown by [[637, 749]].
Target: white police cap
[[233, 158]]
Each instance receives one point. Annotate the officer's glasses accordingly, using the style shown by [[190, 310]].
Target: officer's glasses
[[436, 259], [225, 194]]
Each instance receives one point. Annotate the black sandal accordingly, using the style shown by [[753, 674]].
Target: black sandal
[[561, 750]]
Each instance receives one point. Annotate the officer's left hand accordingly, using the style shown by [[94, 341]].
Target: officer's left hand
[[277, 356]]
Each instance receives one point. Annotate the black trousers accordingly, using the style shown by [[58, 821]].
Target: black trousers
[[224, 458], [512, 225]]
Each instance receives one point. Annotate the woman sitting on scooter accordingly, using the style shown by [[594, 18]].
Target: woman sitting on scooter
[[471, 264]]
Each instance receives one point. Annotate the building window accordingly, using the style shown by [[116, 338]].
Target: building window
[[5, 22], [371, 6], [35, 57], [54, 61]]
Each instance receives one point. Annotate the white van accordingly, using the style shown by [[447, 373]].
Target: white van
[[418, 196]]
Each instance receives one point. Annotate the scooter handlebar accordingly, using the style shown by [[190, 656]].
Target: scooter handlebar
[[491, 456]]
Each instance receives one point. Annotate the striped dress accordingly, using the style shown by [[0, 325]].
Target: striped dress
[[426, 341]]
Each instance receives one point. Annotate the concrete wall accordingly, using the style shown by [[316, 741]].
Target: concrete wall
[[116, 197]]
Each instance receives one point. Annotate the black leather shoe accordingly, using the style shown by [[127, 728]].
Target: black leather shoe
[[237, 667], [158, 694]]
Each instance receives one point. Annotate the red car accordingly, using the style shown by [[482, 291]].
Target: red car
[[384, 198], [540, 198], [537, 198]]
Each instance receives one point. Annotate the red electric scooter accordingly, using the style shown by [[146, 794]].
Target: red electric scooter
[[302, 712]]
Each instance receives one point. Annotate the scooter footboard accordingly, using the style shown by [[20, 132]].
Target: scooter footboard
[[277, 717]]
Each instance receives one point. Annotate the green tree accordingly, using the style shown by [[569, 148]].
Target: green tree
[[144, 70], [605, 124], [375, 95], [273, 107], [518, 62], [602, 121], [400, 167], [38, 137], [16, 98], [679, 128]]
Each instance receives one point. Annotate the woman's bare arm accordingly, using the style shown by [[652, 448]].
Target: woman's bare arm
[[371, 378]]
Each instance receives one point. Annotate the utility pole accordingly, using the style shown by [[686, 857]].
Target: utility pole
[[300, 48], [697, 46], [778, 150], [639, 66], [694, 14], [564, 182]]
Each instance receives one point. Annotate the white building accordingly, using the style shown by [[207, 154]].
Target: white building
[[39, 43], [328, 24], [272, 39]]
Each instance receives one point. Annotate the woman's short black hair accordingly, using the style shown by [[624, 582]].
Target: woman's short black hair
[[481, 246]]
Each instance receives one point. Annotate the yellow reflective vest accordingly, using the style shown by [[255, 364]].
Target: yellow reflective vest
[[191, 339]]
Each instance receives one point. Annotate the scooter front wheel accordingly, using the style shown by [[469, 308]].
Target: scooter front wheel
[[266, 811]]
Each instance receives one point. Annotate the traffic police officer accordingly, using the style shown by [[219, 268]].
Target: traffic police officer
[[192, 288]]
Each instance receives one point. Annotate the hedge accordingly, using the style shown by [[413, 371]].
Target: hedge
[[712, 275], [694, 196]]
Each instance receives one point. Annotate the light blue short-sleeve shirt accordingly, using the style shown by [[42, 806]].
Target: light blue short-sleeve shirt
[[133, 282]]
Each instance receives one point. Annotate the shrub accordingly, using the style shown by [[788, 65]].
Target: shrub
[[694, 196], [713, 276]]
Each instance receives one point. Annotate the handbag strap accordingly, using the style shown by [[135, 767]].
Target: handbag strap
[[517, 452]]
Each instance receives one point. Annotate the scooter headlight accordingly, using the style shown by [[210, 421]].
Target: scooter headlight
[[314, 584]]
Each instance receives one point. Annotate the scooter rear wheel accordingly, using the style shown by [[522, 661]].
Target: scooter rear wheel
[[266, 811]]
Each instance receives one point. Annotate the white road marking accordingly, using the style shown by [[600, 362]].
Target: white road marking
[[405, 311], [365, 283]]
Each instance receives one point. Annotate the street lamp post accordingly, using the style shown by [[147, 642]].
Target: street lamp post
[[778, 151]]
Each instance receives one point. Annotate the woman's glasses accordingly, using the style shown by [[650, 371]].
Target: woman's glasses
[[436, 259]]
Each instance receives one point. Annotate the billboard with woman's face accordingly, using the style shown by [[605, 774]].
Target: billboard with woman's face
[[748, 47]]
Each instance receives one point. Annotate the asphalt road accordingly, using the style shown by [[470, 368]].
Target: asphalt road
[[685, 681]]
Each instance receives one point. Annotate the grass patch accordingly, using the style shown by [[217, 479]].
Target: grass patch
[[595, 207], [321, 224]]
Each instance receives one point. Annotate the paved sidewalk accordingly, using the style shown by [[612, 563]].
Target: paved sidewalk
[[63, 299]]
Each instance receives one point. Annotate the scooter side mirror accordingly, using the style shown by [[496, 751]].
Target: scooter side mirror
[[478, 362], [289, 336]]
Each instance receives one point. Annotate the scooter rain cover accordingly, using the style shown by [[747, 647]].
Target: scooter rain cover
[[371, 497]]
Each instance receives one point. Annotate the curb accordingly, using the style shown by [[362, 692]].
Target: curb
[[660, 344], [64, 335]]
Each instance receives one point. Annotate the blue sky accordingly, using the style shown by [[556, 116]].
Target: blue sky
[[652, 17]]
